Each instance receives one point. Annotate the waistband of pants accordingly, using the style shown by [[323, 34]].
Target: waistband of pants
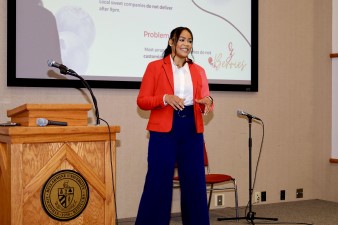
[[188, 111]]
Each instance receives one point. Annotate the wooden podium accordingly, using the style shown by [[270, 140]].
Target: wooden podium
[[30, 155]]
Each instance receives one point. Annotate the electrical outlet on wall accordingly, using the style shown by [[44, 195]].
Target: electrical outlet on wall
[[282, 195], [263, 196], [257, 197], [219, 200], [299, 193]]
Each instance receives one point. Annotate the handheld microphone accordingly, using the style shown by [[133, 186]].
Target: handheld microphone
[[42, 122], [242, 113]]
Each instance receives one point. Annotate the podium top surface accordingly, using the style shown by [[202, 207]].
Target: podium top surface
[[22, 134], [48, 107], [73, 114]]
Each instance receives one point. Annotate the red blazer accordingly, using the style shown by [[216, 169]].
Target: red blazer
[[157, 81]]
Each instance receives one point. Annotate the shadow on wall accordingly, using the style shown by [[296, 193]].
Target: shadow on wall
[[37, 39]]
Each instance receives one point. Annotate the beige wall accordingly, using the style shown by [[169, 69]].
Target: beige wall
[[294, 100]]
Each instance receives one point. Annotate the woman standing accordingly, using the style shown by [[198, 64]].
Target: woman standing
[[176, 91]]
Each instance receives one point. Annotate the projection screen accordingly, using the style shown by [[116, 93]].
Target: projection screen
[[110, 42]]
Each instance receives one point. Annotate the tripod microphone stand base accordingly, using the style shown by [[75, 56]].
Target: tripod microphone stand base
[[249, 217]]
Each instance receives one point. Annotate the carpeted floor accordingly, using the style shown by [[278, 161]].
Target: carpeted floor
[[314, 212]]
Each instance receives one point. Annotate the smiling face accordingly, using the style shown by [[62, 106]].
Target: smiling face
[[183, 46]]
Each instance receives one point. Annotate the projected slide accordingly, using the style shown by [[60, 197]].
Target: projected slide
[[115, 40]]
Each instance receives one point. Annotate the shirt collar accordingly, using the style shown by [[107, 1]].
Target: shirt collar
[[184, 68]]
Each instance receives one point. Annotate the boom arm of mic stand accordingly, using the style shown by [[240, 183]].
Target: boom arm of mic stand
[[85, 83]]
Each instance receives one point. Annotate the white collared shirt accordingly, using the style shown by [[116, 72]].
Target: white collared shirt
[[182, 83]]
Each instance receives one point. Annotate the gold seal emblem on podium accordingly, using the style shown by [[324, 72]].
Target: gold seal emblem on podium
[[65, 195]]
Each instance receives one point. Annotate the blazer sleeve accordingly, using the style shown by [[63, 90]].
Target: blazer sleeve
[[205, 85], [148, 98]]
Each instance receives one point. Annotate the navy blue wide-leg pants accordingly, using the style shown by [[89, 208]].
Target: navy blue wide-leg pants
[[184, 146]]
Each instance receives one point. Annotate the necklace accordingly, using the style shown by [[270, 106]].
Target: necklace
[[179, 66], [176, 64]]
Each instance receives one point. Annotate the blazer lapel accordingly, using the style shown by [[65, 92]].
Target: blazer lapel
[[168, 71], [194, 77]]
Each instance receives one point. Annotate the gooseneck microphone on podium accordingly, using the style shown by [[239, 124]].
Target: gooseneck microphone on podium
[[66, 71], [42, 122], [63, 68]]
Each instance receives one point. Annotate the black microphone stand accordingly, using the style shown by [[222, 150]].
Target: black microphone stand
[[251, 216], [64, 70]]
